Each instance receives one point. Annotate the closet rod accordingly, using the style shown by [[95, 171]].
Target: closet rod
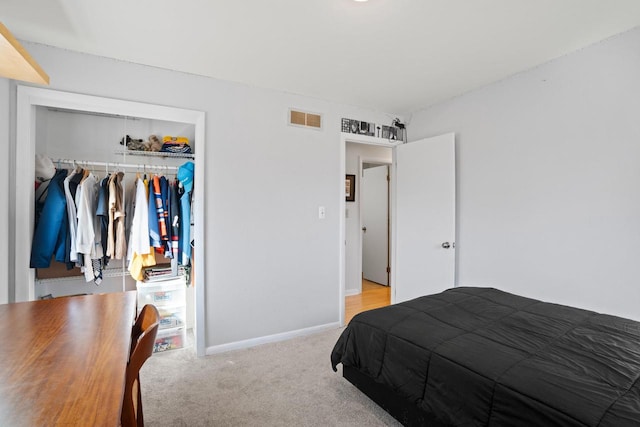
[[115, 165]]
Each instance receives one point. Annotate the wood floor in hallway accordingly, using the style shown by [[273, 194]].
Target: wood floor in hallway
[[372, 296]]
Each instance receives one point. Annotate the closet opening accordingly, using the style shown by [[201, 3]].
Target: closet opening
[[125, 169]]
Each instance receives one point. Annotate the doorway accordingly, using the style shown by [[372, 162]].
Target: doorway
[[423, 217], [365, 160]]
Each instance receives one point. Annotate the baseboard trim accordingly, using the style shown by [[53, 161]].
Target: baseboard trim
[[237, 345], [351, 292]]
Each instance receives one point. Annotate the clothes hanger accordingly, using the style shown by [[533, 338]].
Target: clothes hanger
[[85, 172]]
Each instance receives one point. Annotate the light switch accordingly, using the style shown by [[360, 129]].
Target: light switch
[[321, 212]]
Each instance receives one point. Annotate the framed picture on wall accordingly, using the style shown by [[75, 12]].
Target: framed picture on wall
[[350, 188]]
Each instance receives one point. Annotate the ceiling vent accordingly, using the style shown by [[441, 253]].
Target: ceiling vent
[[305, 119]]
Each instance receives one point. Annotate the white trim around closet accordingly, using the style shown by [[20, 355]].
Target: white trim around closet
[[28, 98]]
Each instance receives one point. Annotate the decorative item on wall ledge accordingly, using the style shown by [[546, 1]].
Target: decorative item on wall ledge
[[350, 188], [393, 132], [359, 127], [389, 132]]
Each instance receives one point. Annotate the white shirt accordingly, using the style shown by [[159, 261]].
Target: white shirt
[[139, 236], [87, 239], [71, 213]]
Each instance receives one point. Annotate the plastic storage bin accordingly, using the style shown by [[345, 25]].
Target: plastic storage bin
[[169, 297], [167, 293], [170, 339]]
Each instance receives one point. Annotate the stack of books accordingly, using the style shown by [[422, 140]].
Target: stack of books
[[161, 272]]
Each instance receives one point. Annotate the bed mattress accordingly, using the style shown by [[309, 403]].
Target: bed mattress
[[481, 356]]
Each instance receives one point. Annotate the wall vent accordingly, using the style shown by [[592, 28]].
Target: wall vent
[[305, 119]]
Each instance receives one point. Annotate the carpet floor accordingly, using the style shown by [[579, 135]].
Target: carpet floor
[[289, 383]]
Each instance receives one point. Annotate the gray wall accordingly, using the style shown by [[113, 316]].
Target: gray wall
[[548, 165], [4, 188], [548, 170], [272, 265]]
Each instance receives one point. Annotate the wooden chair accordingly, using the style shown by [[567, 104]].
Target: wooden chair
[[143, 337], [147, 317]]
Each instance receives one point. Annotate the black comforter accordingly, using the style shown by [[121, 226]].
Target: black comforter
[[480, 356]]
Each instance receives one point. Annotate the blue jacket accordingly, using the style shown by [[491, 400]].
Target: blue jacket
[[53, 226], [184, 244]]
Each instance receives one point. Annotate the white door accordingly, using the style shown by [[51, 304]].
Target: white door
[[374, 194], [424, 209]]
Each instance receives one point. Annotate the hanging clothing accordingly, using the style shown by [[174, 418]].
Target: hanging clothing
[[154, 230], [70, 190], [139, 237], [160, 209], [102, 213], [88, 236], [140, 252], [174, 219], [186, 176], [185, 226], [86, 206], [180, 191], [116, 241], [111, 240], [164, 190], [129, 203], [85, 222], [146, 185], [81, 259], [119, 218], [50, 233]]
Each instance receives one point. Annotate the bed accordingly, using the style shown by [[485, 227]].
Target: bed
[[483, 357]]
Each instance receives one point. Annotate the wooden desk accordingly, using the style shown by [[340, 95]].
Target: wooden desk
[[63, 361]]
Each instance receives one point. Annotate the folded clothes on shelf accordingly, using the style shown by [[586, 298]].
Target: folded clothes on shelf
[[176, 144]]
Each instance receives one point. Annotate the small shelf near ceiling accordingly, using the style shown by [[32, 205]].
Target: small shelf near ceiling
[[15, 61], [156, 154]]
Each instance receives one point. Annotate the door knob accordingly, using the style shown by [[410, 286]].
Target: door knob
[[446, 245], [364, 229]]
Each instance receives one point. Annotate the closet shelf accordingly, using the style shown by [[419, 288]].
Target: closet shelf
[[156, 154], [105, 273], [115, 165]]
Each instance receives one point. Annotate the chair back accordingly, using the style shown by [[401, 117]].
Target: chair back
[[143, 349], [147, 317]]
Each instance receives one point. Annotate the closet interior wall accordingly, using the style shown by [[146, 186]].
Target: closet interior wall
[[89, 137]]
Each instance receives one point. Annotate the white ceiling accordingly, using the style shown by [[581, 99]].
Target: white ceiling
[[395, 56]]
